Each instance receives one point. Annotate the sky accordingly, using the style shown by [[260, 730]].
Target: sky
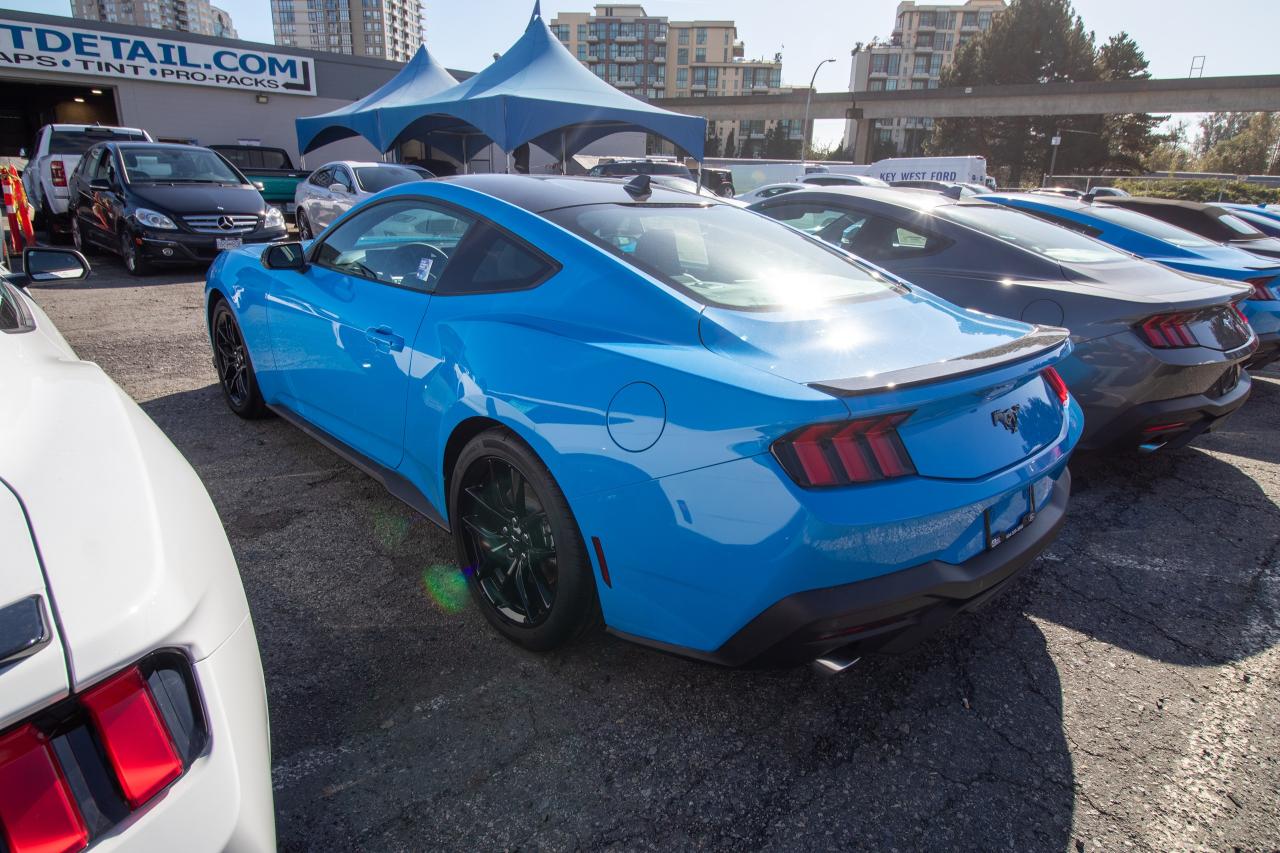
[[1234, 36]]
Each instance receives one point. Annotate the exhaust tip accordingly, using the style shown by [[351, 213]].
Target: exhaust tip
[[835, 662]]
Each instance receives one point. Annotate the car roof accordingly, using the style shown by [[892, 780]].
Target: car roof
[[103, 127], [1148, 201], [916, 199], [1046, 199], [539, 193], [362, 164]]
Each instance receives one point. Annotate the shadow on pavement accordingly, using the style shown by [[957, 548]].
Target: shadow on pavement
[[1168, 555], [401, 721]]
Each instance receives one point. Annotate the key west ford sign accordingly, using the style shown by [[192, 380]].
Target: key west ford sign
[[69, 50]]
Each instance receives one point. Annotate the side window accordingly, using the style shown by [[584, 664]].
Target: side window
[[491, 261], [407, 243], [14, 316], [882, 239], [102, 167], [834, 225], [341, 177], [321, 177]]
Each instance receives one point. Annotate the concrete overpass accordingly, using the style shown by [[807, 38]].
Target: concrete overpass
[[1255, 93]]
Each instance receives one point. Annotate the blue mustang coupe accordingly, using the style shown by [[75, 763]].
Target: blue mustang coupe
[[1156, 240], [722, 437]]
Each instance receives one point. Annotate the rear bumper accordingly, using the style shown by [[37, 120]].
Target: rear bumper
[[889, 613], [1141, 424], [183, 248]]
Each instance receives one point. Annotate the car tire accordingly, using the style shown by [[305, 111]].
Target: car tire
[[133, 260], [82, 245], [519, 544], [304, 225], [234, 366]]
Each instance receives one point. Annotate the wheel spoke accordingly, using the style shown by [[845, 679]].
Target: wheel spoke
[[540, 585], [474, 493], [517, 580]]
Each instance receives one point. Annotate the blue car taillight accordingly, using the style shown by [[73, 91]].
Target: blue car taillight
[[1057, 384], [1262, 289], [845, 452]]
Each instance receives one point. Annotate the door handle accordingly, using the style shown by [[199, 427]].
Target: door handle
[[384, 338]]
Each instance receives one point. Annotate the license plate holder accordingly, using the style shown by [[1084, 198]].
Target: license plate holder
[[1009, 517], [226, 244]]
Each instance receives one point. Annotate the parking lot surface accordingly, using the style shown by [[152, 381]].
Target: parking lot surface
[[1123, 695]]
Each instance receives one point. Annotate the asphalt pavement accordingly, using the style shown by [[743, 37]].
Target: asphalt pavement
[[1123, 696]]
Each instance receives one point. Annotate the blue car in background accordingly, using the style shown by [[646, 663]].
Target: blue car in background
[[1151, 238], [718, 435], [1266, 221]]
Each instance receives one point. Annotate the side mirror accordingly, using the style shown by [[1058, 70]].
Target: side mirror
[[340, 189], [54, 265], [285, 256], [100, 185]]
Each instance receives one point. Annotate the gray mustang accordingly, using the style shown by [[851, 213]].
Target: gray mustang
[[1158, 353]]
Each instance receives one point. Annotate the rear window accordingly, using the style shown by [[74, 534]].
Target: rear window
[[724, 256], [374, 179], [1035, 235], [13, 314], [80, 141], [1243, 230], [1150, 226], [256, 158]]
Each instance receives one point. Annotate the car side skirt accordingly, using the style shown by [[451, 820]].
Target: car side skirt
[[395, 483]]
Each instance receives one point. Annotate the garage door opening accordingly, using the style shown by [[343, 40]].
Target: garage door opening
[[26, 107]]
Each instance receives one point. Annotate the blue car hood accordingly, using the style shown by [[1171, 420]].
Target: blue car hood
[[866, 337]]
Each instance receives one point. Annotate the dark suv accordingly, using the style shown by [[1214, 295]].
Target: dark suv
[[155, 203], [627, 168]]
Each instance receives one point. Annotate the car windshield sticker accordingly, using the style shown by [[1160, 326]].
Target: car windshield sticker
[[424, 269]]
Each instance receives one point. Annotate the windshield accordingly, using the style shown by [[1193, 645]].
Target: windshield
[[723, 256], [176, 165], [78, 141], [1035, 235], [374, 179], [1150, 226]]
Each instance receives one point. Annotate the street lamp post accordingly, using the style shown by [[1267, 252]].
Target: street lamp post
[[804, 128]]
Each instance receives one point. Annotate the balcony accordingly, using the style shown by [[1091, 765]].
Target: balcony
[[592, 59], [625, 84], [625, 39], [698, 87], [592, 39], [659, 39], [760, 87]]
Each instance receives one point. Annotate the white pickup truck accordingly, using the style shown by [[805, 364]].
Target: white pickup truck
[[54, 157]]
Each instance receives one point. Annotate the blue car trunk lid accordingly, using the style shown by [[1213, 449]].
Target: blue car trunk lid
[[977, 407]]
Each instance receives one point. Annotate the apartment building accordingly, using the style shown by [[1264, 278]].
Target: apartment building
[[386, 29], [188, 16], [923, 42], [650, 56]]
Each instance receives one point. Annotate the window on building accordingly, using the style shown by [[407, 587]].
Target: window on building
[[682, 36], [582, 32], [984, 20], [970, 19], [682, 56], [891, 85], [700, 54], [682, 77], [582, 51], [918, 84], [935, 64], [927, 20], [702, 35], [876, 86]]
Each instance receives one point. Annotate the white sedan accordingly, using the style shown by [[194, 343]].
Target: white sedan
[[133, 714], [769, 191], [335, 188]]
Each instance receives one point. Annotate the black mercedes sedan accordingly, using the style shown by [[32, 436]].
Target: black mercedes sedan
[[154, 204]]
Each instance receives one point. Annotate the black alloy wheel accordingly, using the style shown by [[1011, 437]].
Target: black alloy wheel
[[522, 553], [132, 256], [234, 367], [304, 225]]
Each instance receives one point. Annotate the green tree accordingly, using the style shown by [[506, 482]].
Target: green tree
[[1219, 127], [1173, 153], [1131, 138], [777, 144], [730, 144], [1251, 150], [1034, 41]]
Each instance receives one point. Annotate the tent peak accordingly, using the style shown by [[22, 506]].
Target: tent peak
[[537, 10]]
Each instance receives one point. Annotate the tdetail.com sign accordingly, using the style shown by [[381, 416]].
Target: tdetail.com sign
[[70, 50]]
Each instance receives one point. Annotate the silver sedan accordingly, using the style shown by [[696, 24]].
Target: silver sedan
[[336, 187]]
